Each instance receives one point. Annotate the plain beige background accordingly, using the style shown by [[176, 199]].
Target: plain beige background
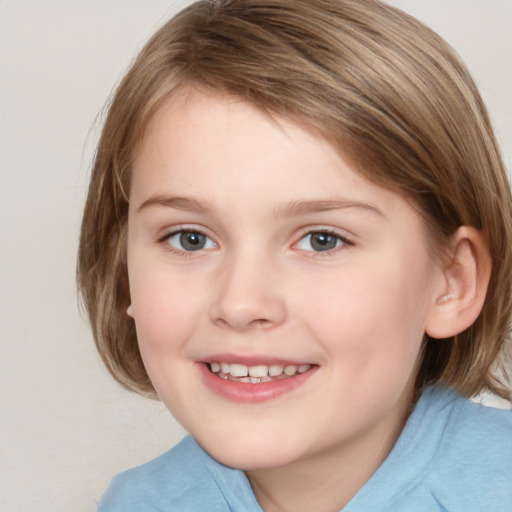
[[65, 426]]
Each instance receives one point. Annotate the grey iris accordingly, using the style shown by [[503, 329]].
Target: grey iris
[[323, 241], [192, 241]]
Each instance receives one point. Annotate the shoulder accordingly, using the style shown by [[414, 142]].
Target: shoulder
[[473, 464], [179, 480], [476, 432]]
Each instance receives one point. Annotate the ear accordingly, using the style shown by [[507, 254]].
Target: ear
[[460, 298], [129, 311]]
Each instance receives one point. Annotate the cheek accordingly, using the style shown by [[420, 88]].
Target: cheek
[[165, 313], [164, 307], [370, 320]]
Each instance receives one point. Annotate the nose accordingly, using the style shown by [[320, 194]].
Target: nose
[[247, 295]]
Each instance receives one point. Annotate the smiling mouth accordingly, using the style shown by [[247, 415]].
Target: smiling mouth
[[258, 373]]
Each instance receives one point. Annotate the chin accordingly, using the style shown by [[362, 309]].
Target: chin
[[249, 455], [250, 462]]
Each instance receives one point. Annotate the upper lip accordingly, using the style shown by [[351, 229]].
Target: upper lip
[[252, 360]]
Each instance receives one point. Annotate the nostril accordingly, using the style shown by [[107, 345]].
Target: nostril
[[259, 323], [221, 322], [248, 307]]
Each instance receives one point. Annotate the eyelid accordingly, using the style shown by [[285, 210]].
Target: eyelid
[[347, 241], [175, 230]]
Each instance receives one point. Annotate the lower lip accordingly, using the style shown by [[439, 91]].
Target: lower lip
[[244, 392]]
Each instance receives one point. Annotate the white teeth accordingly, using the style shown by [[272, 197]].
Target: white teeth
[[274, 370], [258, 371], [238, 370], [290, 370]]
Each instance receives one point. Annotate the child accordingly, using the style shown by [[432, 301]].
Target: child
[[298, 236]]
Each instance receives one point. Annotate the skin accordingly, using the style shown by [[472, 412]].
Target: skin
[[259, 288]]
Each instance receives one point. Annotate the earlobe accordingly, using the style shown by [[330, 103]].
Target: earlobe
[[466, 278], [129, 311]]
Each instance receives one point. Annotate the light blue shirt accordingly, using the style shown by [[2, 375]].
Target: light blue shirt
[[452, 456]]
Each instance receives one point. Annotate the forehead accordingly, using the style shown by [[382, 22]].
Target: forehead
[[195, 129], [192, 125], [226, 153]]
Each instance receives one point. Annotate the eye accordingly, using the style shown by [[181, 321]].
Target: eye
[[188, 240], [320, 241]]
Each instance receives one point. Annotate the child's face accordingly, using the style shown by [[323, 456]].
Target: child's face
[[252, 243]]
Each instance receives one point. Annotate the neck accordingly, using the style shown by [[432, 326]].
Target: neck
[[327, 481]]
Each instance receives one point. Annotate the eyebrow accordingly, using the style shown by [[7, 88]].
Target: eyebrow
[[291, 209], [187, 204], [296, 208]]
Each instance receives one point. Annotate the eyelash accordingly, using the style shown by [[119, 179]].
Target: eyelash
[[165, 240], [345, 243]]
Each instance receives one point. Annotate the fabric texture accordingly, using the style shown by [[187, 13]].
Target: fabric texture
[[452, 456]]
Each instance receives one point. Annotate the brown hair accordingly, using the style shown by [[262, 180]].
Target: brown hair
[[386, 90]]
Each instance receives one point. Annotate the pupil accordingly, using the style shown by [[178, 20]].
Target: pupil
[[323, 241], [192, 241]]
